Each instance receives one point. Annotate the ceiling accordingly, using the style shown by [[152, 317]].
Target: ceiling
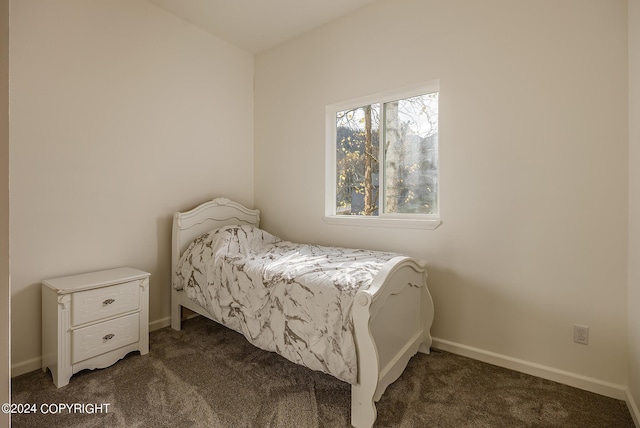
[[258, 25]]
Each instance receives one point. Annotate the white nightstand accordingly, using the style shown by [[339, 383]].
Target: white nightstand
[[92, 320]]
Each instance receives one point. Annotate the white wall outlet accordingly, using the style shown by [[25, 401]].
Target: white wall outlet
[[581, 334]]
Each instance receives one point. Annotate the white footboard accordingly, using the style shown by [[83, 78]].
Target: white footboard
[[392, 321]]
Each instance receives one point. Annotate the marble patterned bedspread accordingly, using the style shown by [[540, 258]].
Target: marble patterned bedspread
[[284, 297]]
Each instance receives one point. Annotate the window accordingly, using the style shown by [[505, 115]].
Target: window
[[382, 159]]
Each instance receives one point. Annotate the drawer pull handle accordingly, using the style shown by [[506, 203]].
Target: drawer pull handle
[[108, 336], [108, 302]]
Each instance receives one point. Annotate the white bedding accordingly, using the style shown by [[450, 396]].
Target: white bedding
[[289, 298]]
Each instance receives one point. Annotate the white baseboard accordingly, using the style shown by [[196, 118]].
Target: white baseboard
[[633, 408], [158, 324], [26, 366], [575, 380]]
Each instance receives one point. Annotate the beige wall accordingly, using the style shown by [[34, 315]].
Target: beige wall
[[634, 201], [105, 108], [533, 157], [4, 209], [121, 114]]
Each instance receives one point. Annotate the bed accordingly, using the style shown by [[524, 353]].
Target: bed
[[385, 315]]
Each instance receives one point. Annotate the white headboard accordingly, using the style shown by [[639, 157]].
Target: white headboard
[[219, 212]]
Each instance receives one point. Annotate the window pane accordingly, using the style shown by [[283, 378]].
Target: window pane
[[411, 155], [357, 169]]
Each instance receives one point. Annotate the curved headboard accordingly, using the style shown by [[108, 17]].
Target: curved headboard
[[219, 212]]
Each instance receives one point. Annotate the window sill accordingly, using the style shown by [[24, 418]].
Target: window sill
[[404, 223]]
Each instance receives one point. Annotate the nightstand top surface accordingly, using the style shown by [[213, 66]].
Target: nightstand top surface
[[89, 280]]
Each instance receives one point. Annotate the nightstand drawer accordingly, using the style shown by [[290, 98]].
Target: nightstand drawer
[[105, 302], [99, 338]]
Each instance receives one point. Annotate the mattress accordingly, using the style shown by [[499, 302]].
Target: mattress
[[289, 298]]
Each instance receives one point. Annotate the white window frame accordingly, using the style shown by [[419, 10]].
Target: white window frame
[[418, 221]]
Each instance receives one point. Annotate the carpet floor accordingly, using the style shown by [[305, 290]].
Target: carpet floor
[[209, 376]]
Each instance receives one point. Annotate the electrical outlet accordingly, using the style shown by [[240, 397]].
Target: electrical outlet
[[581, 334]]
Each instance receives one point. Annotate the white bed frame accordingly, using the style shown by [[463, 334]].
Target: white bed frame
[[392, 319]]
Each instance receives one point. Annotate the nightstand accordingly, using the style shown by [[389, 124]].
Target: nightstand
[[92, 320]]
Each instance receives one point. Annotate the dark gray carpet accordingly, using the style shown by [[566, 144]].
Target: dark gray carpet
[[209, 376]]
